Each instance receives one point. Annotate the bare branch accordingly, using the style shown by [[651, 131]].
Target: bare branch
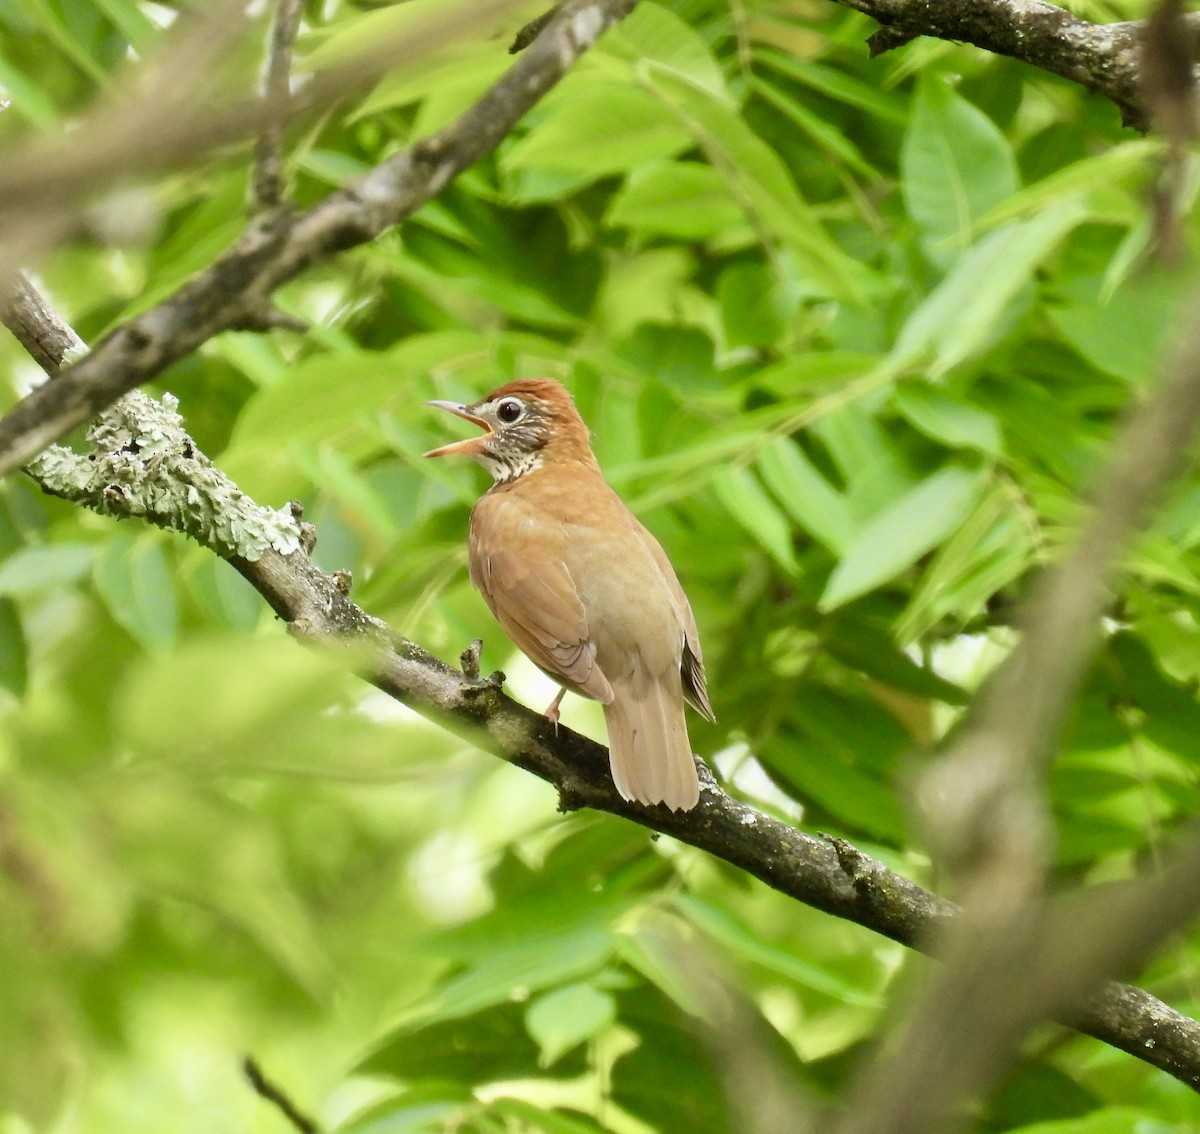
[[34, 324], [278, 247], [1102, 58], [268, 158], [266, 1089]]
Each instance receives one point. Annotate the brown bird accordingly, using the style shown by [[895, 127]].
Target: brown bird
[[582, 587]]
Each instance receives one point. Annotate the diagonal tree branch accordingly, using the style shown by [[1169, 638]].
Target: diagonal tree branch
[[174, 486], [234, 293]]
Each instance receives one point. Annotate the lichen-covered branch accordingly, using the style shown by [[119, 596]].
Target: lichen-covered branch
[[143, 464]]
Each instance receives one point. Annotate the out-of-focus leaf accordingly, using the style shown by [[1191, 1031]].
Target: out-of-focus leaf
[[870, 650], [1123, 336], [758, 176], [596, 130], [751, 318], [483, 1047], [805, 494], [730, 933], [836, 84], [990, 549], [870, 463], [829, 138], [134, 24], [962, 314], [749, 505], [669, 1081], [134, 581], [539, 1120], [44, 567], [952, 421], [685, 199], [423, 1108], [900, 535], [565, 1017], [955, 166], [14, 668], [653, 36]]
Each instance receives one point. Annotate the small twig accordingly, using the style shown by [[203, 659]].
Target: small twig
[[532, 30], [264, 1088], [36, 326], [268, 156]]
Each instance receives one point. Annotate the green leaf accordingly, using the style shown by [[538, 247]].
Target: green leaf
[[141, 31], [955, 165], [135, 584], [29, 100], [806, 495], [55, 29], [871, 650], [725, 929], [955, 423], [990, 549], [14, 665], [685, 199], [654, 37], [565, 1017], [759, 177], [539, 1120], [837, 85], [908, 529], [44, 567], [595, 130], [749, 505], [749, 306], [827, 137], [1123, 335], [425, 1108], [963, 313], [669, 1081], [481, 1047]]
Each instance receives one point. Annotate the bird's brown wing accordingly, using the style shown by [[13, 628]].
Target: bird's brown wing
[[691, 670], [531, 593]]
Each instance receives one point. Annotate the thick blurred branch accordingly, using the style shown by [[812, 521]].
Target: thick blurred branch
[[1102, 58], [830, 875], [235, 292]]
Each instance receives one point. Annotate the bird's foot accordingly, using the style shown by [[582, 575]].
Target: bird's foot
[[552, 714]]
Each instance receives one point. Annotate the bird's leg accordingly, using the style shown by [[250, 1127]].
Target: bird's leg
[[551, 714]]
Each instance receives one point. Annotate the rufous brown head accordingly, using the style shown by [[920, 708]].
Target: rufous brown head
[[526, 424]]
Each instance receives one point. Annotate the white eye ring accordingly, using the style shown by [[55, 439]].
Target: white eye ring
[[510, 410]]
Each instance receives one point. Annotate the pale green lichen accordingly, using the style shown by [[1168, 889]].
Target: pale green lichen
[[143, 463]]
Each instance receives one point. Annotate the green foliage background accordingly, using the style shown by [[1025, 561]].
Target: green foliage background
[[852, 336]]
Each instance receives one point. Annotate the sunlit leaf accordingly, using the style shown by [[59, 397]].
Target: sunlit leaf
[[903, 532]]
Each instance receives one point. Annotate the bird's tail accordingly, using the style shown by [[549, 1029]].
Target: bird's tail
[[649, 750]]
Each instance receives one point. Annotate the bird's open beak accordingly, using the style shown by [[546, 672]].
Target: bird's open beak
[[468, 447]]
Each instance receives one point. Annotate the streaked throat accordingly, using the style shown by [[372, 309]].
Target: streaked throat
[[506, 467]]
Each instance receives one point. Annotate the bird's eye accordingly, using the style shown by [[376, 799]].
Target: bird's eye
[[509, 410]]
